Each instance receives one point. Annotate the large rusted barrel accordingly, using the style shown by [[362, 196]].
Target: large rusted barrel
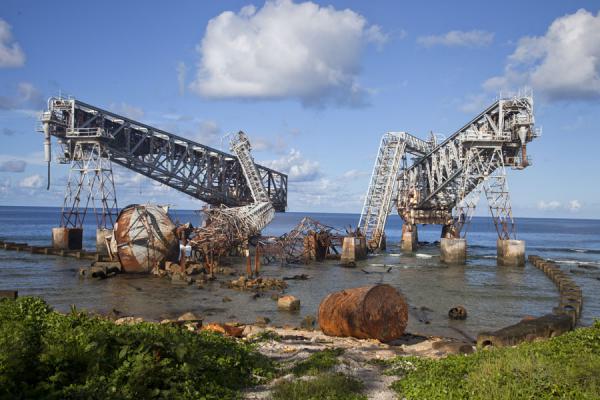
[[145, 237], [369, 312]]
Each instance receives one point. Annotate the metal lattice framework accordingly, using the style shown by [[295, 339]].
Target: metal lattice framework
[[443, 183], [378, 203], [199, 171], [90, 185]]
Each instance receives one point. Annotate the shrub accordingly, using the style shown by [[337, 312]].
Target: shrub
[[565, 367], [44, 354]]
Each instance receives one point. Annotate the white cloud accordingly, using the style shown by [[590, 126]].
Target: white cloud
[[181, 75], [548, 205], [563, 64], [354, 174], [27, 96], [209, 133], [13, 166], [324, 194], [127, 110], [296, 167], [474, 103], [5, 185], [285, 50], [574, 205], [11, 54], [277, 145], [32, 182], [474, 38]]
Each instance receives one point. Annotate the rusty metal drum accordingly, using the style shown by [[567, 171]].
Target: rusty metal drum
[[369, 312], [145, 237]]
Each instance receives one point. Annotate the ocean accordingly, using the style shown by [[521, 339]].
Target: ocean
[[493, 296]]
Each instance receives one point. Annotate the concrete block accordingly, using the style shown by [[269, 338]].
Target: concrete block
[[527, 331], [101, 235], [453, 251], [288, 303], [353, 249], [67, 238], [511, 252], [410, 238]]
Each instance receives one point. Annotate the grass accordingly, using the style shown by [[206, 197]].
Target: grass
[[323, 387], [565, 367], [316, 363], [319, 382], [44, 354], [265, 336]]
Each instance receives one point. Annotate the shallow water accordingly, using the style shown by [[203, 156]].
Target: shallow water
[[493, 296]]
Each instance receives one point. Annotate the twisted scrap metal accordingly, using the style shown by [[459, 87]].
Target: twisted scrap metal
[[293, 242]]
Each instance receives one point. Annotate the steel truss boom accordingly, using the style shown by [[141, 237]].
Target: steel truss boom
[[450, 176], [197, 170]]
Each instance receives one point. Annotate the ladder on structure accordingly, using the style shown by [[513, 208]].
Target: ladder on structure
[[240, 146], [261, 212], [384, 179]]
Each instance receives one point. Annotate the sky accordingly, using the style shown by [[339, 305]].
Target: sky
[[314, 84]]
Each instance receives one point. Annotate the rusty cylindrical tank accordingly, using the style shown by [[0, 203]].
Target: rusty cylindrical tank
[[145, 237], [369, 312]]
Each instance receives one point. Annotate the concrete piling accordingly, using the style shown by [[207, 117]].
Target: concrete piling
[[410, 238], [510, 252], [67, 238], [353, 249], [101, 240], [453, 251]]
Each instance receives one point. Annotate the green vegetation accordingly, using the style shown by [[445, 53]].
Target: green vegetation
[[265, 336], [322, 387], [44, 354], [319, 382], [565, 367], [318, 362]]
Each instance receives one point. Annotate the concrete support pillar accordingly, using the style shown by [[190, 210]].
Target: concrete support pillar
[[67, 238], [453, 251], [101, 235], [353, 249], [314, 250], [410, 238], [383, 244], [511, 252]]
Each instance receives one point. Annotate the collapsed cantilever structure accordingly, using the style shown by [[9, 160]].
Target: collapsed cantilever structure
[[226, 228], [443, 182]]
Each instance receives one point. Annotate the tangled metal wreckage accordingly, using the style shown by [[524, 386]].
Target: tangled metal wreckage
[[439, 184]]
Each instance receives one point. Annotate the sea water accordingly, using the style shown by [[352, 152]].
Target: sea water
[[493, 296]]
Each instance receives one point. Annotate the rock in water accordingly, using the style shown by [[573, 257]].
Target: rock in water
[[369, 312], [458, 312], [288, 303]]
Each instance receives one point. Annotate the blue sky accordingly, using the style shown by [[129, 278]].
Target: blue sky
[[315, 85]]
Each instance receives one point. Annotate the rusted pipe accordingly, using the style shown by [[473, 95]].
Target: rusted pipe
[[369, 312], [257, 260]]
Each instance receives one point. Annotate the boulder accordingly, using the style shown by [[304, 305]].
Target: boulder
[[288, 303], [458, 313], [262, 321], [189, 317], [129, 320]]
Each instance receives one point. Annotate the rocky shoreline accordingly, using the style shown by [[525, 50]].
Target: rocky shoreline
[[289, 345]]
